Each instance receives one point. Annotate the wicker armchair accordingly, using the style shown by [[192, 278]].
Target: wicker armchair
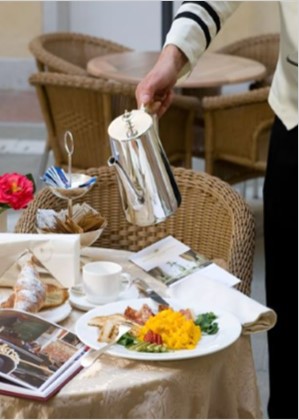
[[69, 52], [262, 48], [237, 130], [213, 219], [87, 105]]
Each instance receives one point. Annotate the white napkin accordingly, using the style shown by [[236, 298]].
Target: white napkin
[[59, 254], [208, 293]]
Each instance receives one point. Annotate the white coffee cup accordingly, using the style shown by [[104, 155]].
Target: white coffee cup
[[104, 281]]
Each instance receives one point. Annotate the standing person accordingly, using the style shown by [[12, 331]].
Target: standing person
[[194, 26]]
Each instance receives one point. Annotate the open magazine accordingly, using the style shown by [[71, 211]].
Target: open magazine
[[37, 357], [171, 261]]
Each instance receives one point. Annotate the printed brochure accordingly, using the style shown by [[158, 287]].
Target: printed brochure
[[37, 357], [171, 261]]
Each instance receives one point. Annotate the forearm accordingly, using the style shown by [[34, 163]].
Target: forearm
[[155, 90], [195, 25], [173, 53]]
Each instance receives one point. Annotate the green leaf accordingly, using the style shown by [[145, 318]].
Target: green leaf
[[127, 340], [30, 177], [207, 324], [3, 207]]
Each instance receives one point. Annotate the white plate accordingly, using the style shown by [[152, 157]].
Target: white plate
[[57, 314], [229, 331], [81, 302]]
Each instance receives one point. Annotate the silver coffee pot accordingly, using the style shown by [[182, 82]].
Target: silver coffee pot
[[148, 189]]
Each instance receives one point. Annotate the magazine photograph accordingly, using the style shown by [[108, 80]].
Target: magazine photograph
[[183, 265], [34, 352], [171, 261]]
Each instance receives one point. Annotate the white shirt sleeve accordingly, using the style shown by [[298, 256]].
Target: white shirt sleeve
[[195, 25]]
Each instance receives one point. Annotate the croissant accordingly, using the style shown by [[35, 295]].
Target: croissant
[[29, 290], [31, 294], [9, 302]]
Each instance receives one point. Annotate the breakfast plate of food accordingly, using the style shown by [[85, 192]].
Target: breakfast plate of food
[[158, 332], [30, 294]]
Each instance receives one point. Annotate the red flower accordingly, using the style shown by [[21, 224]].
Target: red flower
[[16, 191]]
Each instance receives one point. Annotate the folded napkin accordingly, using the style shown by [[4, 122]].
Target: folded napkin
[[58, 255], [199, 291]]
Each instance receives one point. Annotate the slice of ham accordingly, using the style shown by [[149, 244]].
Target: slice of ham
[[187, 313], [140, 316]]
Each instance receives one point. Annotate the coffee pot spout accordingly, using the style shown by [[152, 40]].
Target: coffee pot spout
[[134, 197]]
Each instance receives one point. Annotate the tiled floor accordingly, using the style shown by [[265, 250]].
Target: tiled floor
[[22, 139]]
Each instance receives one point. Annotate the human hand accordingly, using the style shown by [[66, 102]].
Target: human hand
[[155, 90]]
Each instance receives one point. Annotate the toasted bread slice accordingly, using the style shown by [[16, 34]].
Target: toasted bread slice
[[55, 296], [108, 326], [99, 321]]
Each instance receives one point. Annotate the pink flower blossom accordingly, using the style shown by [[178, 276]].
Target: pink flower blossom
[[16, 191]]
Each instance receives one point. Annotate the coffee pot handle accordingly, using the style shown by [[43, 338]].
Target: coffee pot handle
[[154, 117]]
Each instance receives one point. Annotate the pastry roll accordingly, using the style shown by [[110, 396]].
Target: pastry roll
[[9, 302], [31, 294], [29, 290]]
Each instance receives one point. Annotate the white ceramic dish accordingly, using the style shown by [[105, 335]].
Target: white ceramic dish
[[229, 331], [56, 314], [80, 301], [86, 238]]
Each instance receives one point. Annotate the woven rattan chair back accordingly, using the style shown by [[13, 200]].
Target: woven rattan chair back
[[237, 131], [86, 106], [83, 106], [213, 219], [263, 48], [69, 52]]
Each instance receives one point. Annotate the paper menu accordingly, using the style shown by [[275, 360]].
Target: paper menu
[[171, 261]]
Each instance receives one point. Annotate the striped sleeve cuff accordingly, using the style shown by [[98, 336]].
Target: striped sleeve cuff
[[196, 24]]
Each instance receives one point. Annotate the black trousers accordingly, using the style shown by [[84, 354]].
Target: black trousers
[[281, 264]]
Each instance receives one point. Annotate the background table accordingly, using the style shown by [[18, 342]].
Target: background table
[[211, 70], [220, 385]]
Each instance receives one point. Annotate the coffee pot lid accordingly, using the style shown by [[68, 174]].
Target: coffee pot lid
[[130, 125]]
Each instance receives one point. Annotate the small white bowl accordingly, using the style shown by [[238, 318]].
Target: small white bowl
[[86, 238]]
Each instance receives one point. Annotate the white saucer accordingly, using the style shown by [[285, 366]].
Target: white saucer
[[81, 302], [56, 314]]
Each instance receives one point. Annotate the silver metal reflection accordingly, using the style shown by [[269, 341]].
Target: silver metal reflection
[[147, 185]]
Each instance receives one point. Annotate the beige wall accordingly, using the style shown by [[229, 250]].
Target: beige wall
[[19, 23], [251, 18]]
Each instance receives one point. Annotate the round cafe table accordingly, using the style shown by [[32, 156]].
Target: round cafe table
[[211, 70], [218, 385]]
